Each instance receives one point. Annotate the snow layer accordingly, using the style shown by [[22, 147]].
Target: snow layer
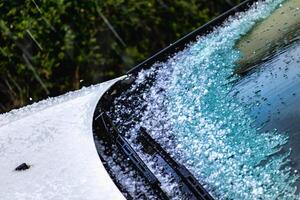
[[55, 138]]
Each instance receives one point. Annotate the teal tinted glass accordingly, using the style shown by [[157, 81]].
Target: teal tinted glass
[[227, 106]]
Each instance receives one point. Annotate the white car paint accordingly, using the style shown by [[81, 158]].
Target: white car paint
[[55, 138]]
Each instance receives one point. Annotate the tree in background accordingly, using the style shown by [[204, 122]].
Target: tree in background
[[49, 47]]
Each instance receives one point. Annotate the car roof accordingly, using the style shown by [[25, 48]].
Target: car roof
[[55, 141]]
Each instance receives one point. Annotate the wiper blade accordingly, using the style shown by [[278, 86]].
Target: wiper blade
[[188, 184], [131, 155]]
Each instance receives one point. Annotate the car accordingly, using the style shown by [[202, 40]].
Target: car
[[54, 139], [215, 115]]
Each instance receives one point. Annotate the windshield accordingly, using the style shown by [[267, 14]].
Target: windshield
[[227, 106]]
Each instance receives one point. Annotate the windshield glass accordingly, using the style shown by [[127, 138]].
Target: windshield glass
[[227, 106]]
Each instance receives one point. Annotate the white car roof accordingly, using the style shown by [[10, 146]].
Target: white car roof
[[55, 138]]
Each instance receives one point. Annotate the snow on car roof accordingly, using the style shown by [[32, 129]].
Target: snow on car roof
[[54, 138]]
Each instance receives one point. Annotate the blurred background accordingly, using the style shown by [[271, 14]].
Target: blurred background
[[49, 47]]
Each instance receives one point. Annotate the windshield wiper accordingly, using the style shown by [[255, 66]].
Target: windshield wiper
[[131, 155], [188, 185]]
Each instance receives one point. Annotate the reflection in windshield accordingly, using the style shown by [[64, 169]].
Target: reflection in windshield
[[274, 94], [278, 29], [236, 133]]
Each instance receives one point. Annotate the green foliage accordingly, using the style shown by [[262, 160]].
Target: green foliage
[[48, 46]]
